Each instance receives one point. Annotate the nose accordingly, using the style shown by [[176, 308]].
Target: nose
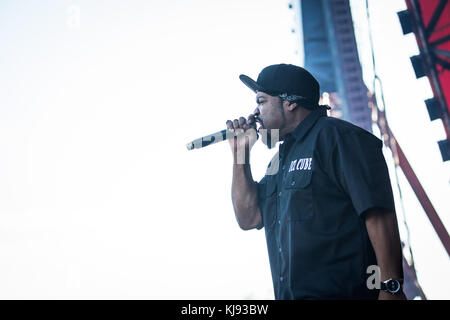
[[256, 111]]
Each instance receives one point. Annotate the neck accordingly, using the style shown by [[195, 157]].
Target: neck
[[297, 118]]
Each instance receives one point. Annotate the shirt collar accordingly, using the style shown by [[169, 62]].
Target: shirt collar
[[304, 126]]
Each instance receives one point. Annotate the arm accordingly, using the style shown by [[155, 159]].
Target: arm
[[244, 194], [358, 166], [383, 233], [244, 191]]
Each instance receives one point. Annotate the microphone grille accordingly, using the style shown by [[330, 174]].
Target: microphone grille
[[190, 146]]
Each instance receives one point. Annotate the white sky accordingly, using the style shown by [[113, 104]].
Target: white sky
[[99, 197]]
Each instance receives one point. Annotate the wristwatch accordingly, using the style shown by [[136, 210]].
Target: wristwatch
[[391, 285]]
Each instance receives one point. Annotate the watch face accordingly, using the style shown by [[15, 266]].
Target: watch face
[[393, 286]]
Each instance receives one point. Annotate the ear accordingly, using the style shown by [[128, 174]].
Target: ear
[[291, 106]]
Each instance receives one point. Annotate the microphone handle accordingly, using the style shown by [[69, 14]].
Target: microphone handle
[[209, 139]]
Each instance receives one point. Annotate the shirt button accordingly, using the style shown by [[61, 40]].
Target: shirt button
[[283, 167], [281, 279], [293, 183], [279, 249], [279, 194], [279, 222]]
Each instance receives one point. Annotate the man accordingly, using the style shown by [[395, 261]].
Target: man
[[327, 208]]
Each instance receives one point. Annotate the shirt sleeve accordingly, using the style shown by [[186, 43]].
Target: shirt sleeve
[[359, 168]]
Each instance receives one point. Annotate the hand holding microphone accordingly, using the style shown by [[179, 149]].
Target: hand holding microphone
[[237, 132], [245, 133]]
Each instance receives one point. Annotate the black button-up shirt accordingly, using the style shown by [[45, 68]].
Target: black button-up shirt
[[312, 202]]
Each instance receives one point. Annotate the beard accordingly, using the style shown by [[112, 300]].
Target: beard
[[270, 137]]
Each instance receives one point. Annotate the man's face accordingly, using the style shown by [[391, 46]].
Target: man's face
[[271, 114], [270, 110]]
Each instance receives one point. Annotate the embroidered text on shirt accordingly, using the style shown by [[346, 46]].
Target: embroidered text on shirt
[[300, 164]]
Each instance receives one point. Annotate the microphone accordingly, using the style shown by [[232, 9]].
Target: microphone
[[212, 138]]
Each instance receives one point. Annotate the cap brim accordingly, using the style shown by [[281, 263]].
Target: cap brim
[[252, 84], [255, 87]]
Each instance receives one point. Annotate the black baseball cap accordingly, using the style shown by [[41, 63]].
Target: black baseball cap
[[287, 81]]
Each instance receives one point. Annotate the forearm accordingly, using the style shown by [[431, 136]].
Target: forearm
[[384, 235], [244, 195]]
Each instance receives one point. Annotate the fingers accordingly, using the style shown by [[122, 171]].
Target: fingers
[[241, 123], [236, 124], [241, 136], [230, 125], [251, 120], [233, 124]]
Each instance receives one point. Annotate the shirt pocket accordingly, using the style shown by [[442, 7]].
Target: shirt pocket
[[268, 205], [297, 204]]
